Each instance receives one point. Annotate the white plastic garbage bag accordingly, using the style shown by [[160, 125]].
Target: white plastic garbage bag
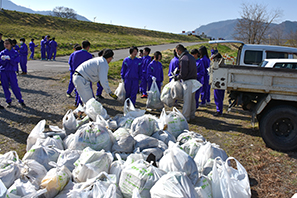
[[69, 122], [125, 122], [166, 95], [43, 155], [133, 158], [230, 182], [208, 151], [68, 157], [54, 141], [153, 99], [146, 124], [120, 92], [10, 155], [90, 164], [187, 135], [124, 144], [37, 132], [66, 190], [3, 189], [55, 180], [192, 146], [203, 187], [120, 133], [164, 136], [175, 159], [157, 152], [175, 121], [177, 90], [20, 188], [94, 108], [116, 167], [144, 141], [130, 110], [92, 135], [9, 171], [32, 171], [140, 175], [173, 185]]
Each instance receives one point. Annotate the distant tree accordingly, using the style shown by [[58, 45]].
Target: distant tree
[[276, 36], [292, 39], [64, 12], [254, 23]]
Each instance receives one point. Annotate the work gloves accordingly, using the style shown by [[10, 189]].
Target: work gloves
[[4, 57], [113, 95]]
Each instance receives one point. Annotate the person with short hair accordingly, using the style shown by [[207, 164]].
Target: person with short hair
[[53, 46], [200, 74], [23, 56], [99, 86], [188, 72], [1, 43], [145, 61], [155, 69], [9, 60], [140, 53], [47, 46], [42, 48], [93, 70], [32, 48], [131, 74], [204, 60], [174, 63]]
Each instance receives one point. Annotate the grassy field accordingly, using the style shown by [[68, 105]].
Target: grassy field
[[68, 32]]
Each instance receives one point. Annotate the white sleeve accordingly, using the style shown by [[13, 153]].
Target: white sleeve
[[103, 72]]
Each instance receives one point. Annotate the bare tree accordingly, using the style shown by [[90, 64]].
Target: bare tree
[[254, 23], [276, 35], [64, 12]]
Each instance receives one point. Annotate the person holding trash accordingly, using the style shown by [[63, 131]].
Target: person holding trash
[[155, 70], [131, 74], [205, 93], [188, 72], [93, 70], [23, 56], [174, 63], [146, 59], [9, 59], [32, 48], [200, 74]]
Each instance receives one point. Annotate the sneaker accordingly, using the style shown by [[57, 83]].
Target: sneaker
[[68, 95], [8, 105], [217, 114], [23, 104], [144, 96], [100, 97]]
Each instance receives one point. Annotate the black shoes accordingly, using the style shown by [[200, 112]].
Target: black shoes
[[23, 104]]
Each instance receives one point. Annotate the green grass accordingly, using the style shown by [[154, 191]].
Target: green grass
[[68, 32]]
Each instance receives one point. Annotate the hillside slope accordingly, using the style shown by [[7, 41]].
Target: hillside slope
[[68, 32]]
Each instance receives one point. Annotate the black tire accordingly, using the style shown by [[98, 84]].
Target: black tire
[[278, 128]]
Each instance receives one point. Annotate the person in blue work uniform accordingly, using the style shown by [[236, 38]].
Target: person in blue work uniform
[[200, 74], [23, 56], [9, 59], [131, 74], [79, 57], [32, 48], [155, 69], [205, 93], [218, 94], [99, 86], [16, 48], [71, 69], [53, 46], [145, 61], [174, 63], [212, 51], [47, 47], [42, 48]]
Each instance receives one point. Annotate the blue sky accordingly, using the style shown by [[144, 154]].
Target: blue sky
[[162, 15]]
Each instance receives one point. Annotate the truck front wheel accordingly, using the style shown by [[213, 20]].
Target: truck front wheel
[[278, 128]]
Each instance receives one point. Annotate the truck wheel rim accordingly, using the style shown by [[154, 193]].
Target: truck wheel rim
[[283, 127]]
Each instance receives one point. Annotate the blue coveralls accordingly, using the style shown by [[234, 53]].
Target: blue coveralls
[[32, 49], [205, 93], [99, 89], [200, 74], [48, 49], [8, 75], [131, 74], [17, 48], [145, 61], [53, 46], [155, 69], [42, 49], [219, 98], [79, 57], [71, 69], [174, 63], [23, 57]]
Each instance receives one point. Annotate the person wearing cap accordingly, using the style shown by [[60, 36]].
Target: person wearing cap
[[93, 70], [1, 43]]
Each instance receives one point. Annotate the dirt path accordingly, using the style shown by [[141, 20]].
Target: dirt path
[[272, 173]]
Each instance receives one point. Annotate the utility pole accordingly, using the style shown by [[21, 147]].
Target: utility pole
[[94, 19]]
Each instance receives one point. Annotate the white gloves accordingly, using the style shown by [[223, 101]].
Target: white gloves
[[154, 78], [4, 57], [8, 57]]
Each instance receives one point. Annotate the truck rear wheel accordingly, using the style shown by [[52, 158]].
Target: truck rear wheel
[[278, 128]]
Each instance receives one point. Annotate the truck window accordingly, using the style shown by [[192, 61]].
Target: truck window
[[276, 55], [253, 57], [286, 65]]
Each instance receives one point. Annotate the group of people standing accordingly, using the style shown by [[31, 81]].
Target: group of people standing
[[48, 48]]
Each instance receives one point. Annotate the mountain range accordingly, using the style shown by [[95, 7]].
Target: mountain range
[[9, 5], [225, 29]]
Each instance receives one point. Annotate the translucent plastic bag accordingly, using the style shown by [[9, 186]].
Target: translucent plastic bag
[[144, 142], [116, 167], [173, 185], [69, 122], [175, 159], [21, 188], [187, 135], [124, 144], [130, 110], [94, 108], [120, 92], [125, 122], [9, 169], [32, 171], [192, 146], [37, 132], [140, 175], [164, 136], [90, 164], [175, 121], [177, 90], [3, 189], [146, 124], [166, 95], [203, 187], [120, 133], [228, 182], [153, 99], [68, 157], [54, 141]]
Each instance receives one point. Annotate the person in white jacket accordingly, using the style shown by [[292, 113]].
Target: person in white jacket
[[93, 70]]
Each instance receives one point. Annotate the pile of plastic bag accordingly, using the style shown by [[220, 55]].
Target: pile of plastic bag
[[131, 155]]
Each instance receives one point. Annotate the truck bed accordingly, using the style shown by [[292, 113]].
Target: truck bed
[[255, 79]]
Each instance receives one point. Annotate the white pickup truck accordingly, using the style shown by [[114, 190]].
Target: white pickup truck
[[269, 93]]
